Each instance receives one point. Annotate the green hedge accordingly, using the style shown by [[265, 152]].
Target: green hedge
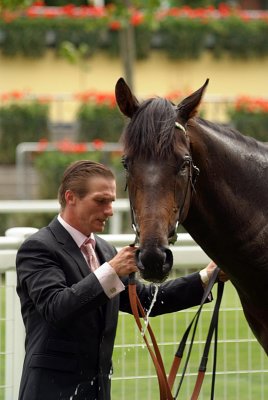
[[51, 165], [249, 115], [32, 38], [239, 39], [21, 123], [30, 123], [102, 120], [183, 38], [99, 122], [253, 124], [178, 36]]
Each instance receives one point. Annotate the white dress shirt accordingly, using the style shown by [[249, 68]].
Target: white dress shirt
[[108, 278]]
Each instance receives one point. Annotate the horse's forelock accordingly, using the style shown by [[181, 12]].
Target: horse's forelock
[[150, 133]]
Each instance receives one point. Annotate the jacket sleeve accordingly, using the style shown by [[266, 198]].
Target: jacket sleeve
[[50, 282], [173, 295]]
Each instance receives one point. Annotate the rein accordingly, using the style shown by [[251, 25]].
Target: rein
[[166, 384]]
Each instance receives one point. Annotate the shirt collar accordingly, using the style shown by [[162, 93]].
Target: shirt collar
[[77, 236]]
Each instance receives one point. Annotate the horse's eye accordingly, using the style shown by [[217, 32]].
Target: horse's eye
[[125, 162], [184, 166]]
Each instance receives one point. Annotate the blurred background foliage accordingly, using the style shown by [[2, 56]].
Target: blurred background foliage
[[98, 118], [181, 32], [21, 123], [99, 122], [58, 161]]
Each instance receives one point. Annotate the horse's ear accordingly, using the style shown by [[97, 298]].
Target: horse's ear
[[126, 101], [189, 106]]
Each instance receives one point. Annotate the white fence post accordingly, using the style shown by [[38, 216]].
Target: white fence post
[[14, 338], [15, 331]]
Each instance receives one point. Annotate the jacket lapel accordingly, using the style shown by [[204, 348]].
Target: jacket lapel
[[111, 308], [69, 246]]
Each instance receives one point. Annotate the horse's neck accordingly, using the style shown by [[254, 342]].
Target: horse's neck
[[229, 159], [231, 188]]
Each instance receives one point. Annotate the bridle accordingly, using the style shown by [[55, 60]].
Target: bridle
[[166, 383], [193, 172]]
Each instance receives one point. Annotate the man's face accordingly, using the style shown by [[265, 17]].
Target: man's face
[[90, 213]]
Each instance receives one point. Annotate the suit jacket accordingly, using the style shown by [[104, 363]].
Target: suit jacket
[[70, 323]]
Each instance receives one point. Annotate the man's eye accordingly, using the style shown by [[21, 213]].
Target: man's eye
[[103, 201]]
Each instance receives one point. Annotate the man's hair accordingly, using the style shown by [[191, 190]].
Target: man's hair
[[75, 178]]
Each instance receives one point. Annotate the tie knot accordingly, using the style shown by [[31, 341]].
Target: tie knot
[[89, 241]]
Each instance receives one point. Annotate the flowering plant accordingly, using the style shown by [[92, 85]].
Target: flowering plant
[[182, 32], [250, 116], [21, 122], [248, 104]]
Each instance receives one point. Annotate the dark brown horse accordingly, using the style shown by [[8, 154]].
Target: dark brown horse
[[226, 212]]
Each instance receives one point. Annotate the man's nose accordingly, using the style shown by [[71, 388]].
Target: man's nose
[[109, 210]]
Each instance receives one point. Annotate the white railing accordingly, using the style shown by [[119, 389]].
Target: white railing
[[186, 256], [120, 207]]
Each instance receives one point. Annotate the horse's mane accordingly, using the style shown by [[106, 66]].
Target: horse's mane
[[226, 130], [151, 132]]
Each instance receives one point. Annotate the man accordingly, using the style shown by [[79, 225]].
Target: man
[[69, 306]]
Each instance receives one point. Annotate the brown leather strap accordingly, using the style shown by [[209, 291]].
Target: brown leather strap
[[137, 310], [198, 385], [173, 371], [166, 384]]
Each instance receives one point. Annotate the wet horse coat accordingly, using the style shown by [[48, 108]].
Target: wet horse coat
[[226, 212]]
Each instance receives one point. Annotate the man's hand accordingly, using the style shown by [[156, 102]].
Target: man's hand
[[124, 262], [208, 271]]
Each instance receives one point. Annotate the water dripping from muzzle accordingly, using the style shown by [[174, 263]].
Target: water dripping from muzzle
[[155, 263]]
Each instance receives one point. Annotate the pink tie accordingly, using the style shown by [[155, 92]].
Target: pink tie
[[88, 249]]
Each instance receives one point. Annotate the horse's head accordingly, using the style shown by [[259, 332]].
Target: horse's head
[[160, 173]]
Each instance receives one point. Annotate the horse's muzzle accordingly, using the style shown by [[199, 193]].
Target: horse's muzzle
[[154, 263]]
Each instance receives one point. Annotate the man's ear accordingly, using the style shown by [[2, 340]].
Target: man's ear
[[70, 197]]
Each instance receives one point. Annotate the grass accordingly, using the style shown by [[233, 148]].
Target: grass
[[241, 362], [242, 367]]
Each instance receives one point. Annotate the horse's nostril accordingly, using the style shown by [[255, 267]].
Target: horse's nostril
[[138, 260], [169, 257], [154, 263]]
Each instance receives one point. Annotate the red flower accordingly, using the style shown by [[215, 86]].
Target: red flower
[[4, 97], [175, 95], [115, 25], [137, 18], [45, 99], [252, 105], [224, 9], [68, 10], [16, 95], [42, 144], [8, 16], [80, 147], [51, 12], [65, 145], [98, 144]]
